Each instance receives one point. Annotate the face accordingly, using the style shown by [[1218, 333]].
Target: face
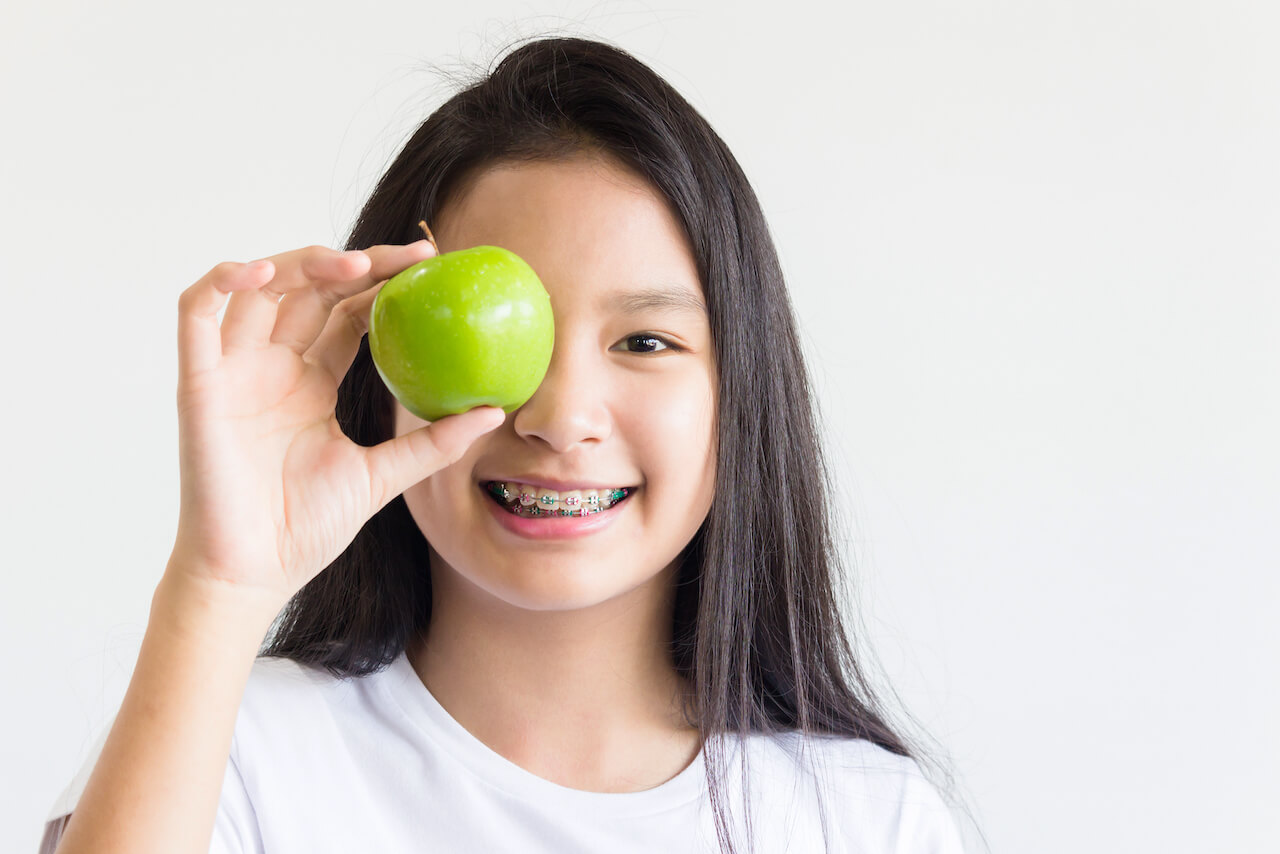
[[629, 399]]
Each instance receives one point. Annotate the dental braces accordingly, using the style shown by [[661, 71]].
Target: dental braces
[[525, 503]]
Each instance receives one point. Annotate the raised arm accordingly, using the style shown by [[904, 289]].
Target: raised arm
[[272, 492]]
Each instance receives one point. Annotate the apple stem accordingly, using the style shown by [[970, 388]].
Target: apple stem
[[423, 225]]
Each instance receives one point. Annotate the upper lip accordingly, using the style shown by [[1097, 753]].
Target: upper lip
[[552, 483]]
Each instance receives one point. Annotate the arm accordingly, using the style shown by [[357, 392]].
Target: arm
[[272, 491], [155, 788]]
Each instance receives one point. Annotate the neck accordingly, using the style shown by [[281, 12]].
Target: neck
[[587, 698]]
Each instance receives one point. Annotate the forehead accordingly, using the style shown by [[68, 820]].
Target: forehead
[[587, 225]]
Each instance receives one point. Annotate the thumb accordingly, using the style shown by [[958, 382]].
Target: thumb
[[399, 463]]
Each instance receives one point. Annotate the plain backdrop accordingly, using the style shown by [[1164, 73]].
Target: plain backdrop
[[1032, 248]]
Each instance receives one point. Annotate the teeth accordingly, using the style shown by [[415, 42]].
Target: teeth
[[536, 501]]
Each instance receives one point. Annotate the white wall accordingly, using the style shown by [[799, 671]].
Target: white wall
[[1032, 248]]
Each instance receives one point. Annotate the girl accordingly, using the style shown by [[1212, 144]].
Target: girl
[[656, 664]]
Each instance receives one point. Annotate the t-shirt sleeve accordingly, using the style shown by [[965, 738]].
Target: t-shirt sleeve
[[925, 823], [235, 828]]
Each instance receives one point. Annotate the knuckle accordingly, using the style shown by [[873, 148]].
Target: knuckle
[[427, 451], [224, 270], [220, 272], [353, 312], [188, 297], [352, 318]]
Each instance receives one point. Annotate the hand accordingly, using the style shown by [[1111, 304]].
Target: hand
[[272, 489]]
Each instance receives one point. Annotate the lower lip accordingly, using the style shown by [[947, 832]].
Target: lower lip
[[554, 527]]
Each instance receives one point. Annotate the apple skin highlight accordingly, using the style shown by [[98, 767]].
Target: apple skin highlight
[[460, 330]]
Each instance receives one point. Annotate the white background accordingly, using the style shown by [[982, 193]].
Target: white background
[[1033, 252]]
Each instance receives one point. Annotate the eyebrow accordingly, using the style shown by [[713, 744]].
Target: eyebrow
[[676, 300]]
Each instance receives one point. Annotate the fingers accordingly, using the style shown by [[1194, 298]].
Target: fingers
[[251, 315], [199, 343], [336, 345], [399, 463], [314, 279]]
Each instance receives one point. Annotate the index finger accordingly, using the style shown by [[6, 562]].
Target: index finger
[[345, 325], [251, 314], [303, 314]]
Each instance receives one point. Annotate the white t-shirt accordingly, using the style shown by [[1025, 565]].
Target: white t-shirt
[[376, 764]]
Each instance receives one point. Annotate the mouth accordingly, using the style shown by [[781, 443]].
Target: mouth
[[529, 502]]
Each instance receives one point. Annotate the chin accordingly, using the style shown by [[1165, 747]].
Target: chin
[[536, 583]]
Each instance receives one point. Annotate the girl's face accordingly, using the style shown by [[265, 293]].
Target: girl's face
[[629, 399]]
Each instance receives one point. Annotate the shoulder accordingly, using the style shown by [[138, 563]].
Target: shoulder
[[283, 696], [285, 679], [876, 797], [846, 760]]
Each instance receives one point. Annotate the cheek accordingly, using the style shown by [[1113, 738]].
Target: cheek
[[671, 428]]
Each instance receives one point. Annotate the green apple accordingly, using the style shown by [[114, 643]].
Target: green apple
[[462, 329]]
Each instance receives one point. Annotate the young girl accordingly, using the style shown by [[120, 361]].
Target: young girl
[[604, 622]]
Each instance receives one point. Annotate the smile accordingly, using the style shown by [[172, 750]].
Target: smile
[[534, 503]]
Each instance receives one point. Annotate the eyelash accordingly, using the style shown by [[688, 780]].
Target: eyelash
[[669, 345]]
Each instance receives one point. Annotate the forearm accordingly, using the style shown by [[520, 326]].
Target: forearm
[[156, 785]]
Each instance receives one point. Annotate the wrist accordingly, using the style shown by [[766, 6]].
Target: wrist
[[212, 610]]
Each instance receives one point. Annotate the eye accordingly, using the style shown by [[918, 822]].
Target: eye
[[649, 340]]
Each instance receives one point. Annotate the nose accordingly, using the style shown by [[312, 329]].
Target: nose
[[570, 406]]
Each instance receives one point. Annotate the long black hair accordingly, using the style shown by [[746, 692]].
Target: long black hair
[[757, 629]]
